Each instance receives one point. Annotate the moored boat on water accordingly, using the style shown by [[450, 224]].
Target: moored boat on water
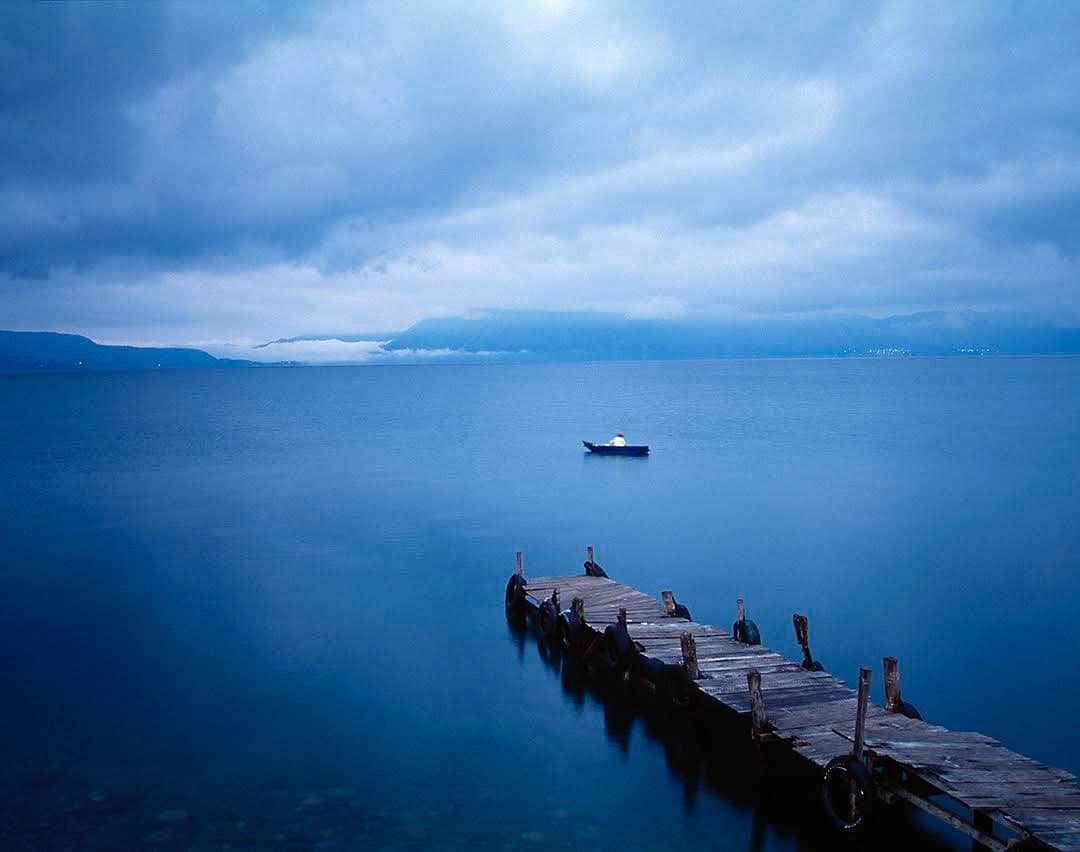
[[616, 450]]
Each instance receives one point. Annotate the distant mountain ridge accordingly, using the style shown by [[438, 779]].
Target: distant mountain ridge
[[532, 335], [542, 336], [47, 351]]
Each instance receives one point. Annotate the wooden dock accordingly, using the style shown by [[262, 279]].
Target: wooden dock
[[1001, 799]]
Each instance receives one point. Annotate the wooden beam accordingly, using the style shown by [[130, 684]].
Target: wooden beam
[[669, 602], [689, 654], [520, 564], [860, 712], [945, 816]]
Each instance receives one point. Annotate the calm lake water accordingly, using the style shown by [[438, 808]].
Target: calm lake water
[[263, 608]]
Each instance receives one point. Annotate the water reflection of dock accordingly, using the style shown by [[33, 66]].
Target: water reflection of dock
[[865, 756]]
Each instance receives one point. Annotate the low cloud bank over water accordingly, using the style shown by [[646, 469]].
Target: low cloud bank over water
[[334, 351]]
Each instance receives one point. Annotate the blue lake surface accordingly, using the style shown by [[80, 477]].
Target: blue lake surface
[[263, 608]]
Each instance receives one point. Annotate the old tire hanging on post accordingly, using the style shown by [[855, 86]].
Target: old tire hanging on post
[[746, 632], [678, 686], [547, 620], [620, 649], [570, 630], [593, 569], [515, 593], [669, 681], [847, 792], [648, 674]]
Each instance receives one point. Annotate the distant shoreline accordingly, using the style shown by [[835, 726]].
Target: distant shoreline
[[6, 370], [524, 337]]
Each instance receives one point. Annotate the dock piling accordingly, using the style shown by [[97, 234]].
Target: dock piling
[[983, 823], [669, 602], [802, 636], [757, 704], [743, 630], [591, 568], [860, 712], [689, 654], [520, 564], [892, 684]]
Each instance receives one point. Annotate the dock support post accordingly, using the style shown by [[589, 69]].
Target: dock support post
[[622, 617], [591, 568], [743, 630], [674, 609], [757, 703], [520, 564], [892, 684], [860, 712], [985, 824], [802, 636], [555, 599], [689, 654], [577, 606]]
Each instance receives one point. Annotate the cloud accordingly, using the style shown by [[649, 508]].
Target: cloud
[[275, 171], [333, 351], [311, 351]]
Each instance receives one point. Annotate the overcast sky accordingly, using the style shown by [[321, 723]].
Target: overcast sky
[[190, 173]]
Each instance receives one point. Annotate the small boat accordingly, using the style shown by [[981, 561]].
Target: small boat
[[611, 450]]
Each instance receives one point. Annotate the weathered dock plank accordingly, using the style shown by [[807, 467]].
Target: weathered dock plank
[[815, 714]]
